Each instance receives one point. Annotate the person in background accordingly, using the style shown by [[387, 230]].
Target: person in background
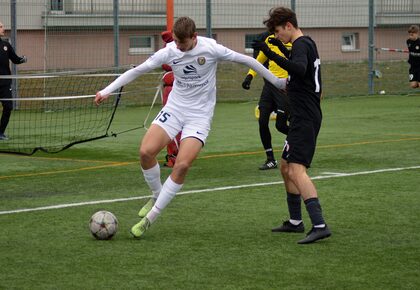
[[413, 44], [271, 100], [6, 53]]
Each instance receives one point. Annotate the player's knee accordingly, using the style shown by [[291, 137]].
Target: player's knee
[[293, 174], [146, 155], [284, 170], [181, 168], [282, 127], [263, 121]]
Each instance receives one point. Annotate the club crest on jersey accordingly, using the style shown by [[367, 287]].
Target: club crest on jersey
[[201, 60], [5, 48]]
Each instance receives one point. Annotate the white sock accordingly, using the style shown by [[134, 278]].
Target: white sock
[[295, 222], [153, 214], [168, 192], [152, 177]]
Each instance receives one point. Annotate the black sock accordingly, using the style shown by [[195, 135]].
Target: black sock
[[314, 210], [269, 153], [293, 202]]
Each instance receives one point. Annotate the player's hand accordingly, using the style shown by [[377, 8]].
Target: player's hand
[[99, 98], [260, 45], [23, 59], [246, 84], [276, 42]]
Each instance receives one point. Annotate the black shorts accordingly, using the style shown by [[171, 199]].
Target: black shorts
[[414, 75], [273, 98], [300, 143]]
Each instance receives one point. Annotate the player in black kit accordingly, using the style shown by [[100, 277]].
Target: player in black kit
[[304, 91], [413, 44], [6, 53]]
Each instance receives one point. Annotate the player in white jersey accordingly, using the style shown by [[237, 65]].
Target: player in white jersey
[[189, 109]]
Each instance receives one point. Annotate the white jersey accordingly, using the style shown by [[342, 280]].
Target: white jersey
[[194, 88]]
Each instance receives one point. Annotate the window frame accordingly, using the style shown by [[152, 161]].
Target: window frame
[[353, 44], [141, 50], [55, 6], [249, 38]]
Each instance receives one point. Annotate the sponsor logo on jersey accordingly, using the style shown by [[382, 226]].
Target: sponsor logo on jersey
[[176, 61], [201, 60], [190, 69]]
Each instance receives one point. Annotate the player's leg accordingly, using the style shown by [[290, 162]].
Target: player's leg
[[297, 173], [5, 92], [153, 142], [266, 107], [414, 78], [294, 224], [188, 152], [194, 135], [302, 142]]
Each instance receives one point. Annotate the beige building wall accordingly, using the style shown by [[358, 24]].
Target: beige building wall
[[94, 49]]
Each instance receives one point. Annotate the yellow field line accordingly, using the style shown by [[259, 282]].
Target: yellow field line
[[67, 170], [319, 146], [114, 163], [368, 142], [63, 159]]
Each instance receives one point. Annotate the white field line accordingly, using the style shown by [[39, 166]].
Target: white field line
[[334, 175]]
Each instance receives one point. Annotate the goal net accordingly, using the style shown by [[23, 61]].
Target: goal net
[[54, 112]]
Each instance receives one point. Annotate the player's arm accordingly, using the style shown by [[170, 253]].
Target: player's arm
[[260, 69], [151, 63], [295, 67], [122, 80], [14, 57], [246, 84], [280, 45]]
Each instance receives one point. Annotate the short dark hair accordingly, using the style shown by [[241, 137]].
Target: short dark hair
[[413, 29], [279, 16], [184, 27]]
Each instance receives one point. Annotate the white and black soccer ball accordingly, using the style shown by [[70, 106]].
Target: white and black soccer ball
[[103, 225]]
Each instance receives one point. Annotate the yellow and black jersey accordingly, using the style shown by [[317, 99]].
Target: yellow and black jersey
[[272, 66]]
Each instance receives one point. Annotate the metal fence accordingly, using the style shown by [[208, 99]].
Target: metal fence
[[59, 35]]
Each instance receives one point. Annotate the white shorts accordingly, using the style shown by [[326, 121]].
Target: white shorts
[[173, 122]]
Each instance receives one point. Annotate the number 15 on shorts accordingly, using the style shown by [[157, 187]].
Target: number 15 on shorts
[[162, 116]]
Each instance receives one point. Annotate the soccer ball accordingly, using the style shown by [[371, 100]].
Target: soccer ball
[[103, 225]]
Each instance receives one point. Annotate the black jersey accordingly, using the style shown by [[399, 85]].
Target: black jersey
[[414, 53], [304, 87], [7, 53]]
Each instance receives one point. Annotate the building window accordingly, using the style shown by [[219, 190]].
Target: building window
[[350, 42], [57, 5], [141, 44], [249, 38]]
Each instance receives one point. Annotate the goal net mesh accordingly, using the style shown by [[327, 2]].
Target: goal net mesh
[[54, 112]]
